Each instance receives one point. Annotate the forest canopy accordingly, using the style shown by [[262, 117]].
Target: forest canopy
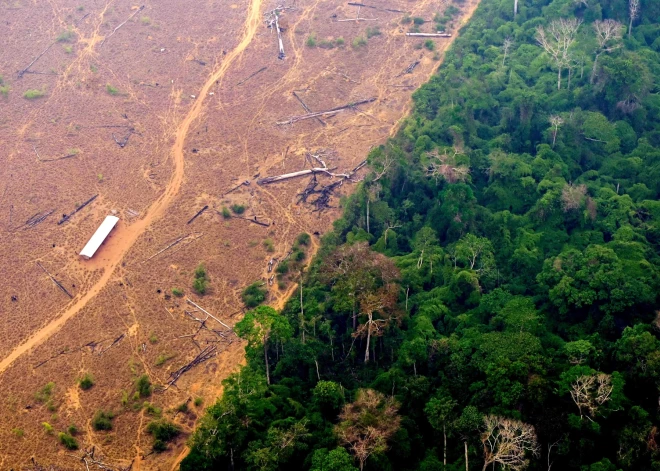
[[489, 298]]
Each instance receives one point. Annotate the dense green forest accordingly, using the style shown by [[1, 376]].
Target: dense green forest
[[489, 299]]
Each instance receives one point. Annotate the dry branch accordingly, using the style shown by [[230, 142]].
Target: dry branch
[[430, 35], [306, 108], [295, 119], [22, 72], [57, 283], [208, 314], [127, 20], [254, 220], [206, 354], [198, 213], [251, 75], [37, 219], [66, 217], [245, 183]]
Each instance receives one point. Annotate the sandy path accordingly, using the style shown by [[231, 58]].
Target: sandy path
[[126, 236]]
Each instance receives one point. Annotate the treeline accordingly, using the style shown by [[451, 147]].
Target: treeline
[[489, 299]]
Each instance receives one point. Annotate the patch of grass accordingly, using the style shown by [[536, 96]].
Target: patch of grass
[[124, 398], [80, 8], [225, 212], [429, 44], [340, 42], [111, 90], [99, 177], [418, 46], [68, 49], [238, 208], [18, 432], [269, 245], [178, 292], [145, 20], [86, 382], [198, 401], [164, 357], [359, 42], [143, 386], [68, 441], [152, 410], [102, 420], [73, 151], [253, 295], [93, 68], [65, 36], [371, 32], [153, 339], [33, 94], [44, 394], [311, 40], [47, 428]]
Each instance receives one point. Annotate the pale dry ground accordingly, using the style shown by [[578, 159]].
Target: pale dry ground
[[188, 152]]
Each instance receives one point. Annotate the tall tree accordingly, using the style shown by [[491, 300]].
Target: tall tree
[[608, 38], [507, 442], [378, 309], [633, 11], [557, 42], [439, 411]]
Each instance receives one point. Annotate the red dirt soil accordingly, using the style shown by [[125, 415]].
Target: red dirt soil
[[171, 74]]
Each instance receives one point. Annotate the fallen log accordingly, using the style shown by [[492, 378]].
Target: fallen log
[[251, 75], [208, 313], [57, 283], [295, 119], [206, 354], [66, 217], [198, 213], [127, 20], [430, 35], [245, 183], [22, 72], [252, 221], [168, 247], [375, 8], [37, 219], [306, 108]]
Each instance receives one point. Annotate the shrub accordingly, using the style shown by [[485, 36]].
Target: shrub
[[4, 90], [183, 407], [326, 44], [65, 36], [198, 401], [253, 295], [303, 239], [225, 212], [33, 94], [163, 357], [143, 386], [145, 20], [159, 446], [359, 42], [238, 208], [429, 44], [47, 427], [282, 268], [178, 292], [86, 382], [68, 49], [68, 441], [298, 256], [340, 41], [153, 338], [72, 429], [162, 431], [111, 90], [371, 32], [406, 20], [311, 40], [269, 245], [200, 282], [152, 410], [102, 420], [45, 393], [18, 432], [418, 21]]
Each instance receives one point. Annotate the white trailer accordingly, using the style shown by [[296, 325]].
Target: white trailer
[[99, 237]]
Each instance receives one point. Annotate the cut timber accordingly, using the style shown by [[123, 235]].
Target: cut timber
[[207, 313], [57, 283], [251, 75], [198, 213], [127, 20], [99, 237], [22, 72], [66, 217], [430, 35], [300, 173], [306, 108], [295, 119], [354, 4]]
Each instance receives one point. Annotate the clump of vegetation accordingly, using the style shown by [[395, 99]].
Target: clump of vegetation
[[200, 283], [340, 41], [198, 401], [326, 44], [163, 432], [68, 441], [371, 32], [18, 432], [93, 68], [4, 90], [67, 49], [282, 267], [145, 20], [164, 357], [72, 429], [44, 394], [269, 245], [33, 94], [152, 410], [86, 382], [65, 36], [225, 212], [178, 292], [143, 386], [102, 420], [47, 428], [254, 295], [153, 338], [418, 21], [429, 44], [311, 40], [238, 208], [303, 239], [111, 90], [182, 408], [359, 42], [406, 20]]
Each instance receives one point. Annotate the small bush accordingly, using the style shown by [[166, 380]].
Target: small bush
[[311, 40], [68, 441], [326, 44], [102, 420], [298, 256], [45, 393], [93, 68], [143, 386], [153, 339], [68, 49], [183, 407], [418, 21], [4, 90], [145, 20], [340, 41], [65, 36], [406, 20], [238, 208], [253, 295], [371, 32], [124, 398], [111, 90], [200, 282], [225, 212], [163, 430], [198, 401], [33, 94], [429, 44], [47, 428], [269, 245], [178, 292], [152, 410], [163, 357], [282, 268], [86, 382], [200, 271], [72, 429], [359, 42], [303, 239], [18, 432]]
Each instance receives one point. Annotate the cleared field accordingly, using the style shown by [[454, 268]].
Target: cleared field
[[161, 111]]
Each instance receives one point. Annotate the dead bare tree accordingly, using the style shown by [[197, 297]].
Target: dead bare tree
[[557, 42], [507, 442], [589, 392], [572, 196], [555, 121], [506, 46], [608, 37], [446, 166], [633, 10]]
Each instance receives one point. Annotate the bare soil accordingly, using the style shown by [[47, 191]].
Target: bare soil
[[170, 77]]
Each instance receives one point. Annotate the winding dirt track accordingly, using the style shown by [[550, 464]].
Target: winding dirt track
[[126, 237]]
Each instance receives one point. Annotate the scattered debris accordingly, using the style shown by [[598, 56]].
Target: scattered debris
[[57, 283], [207, 353], [409, 69], [124, 141], [295, 119], [37, 219], [357, 16]]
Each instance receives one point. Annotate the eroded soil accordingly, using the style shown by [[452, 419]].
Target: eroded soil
[[169, 77]]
